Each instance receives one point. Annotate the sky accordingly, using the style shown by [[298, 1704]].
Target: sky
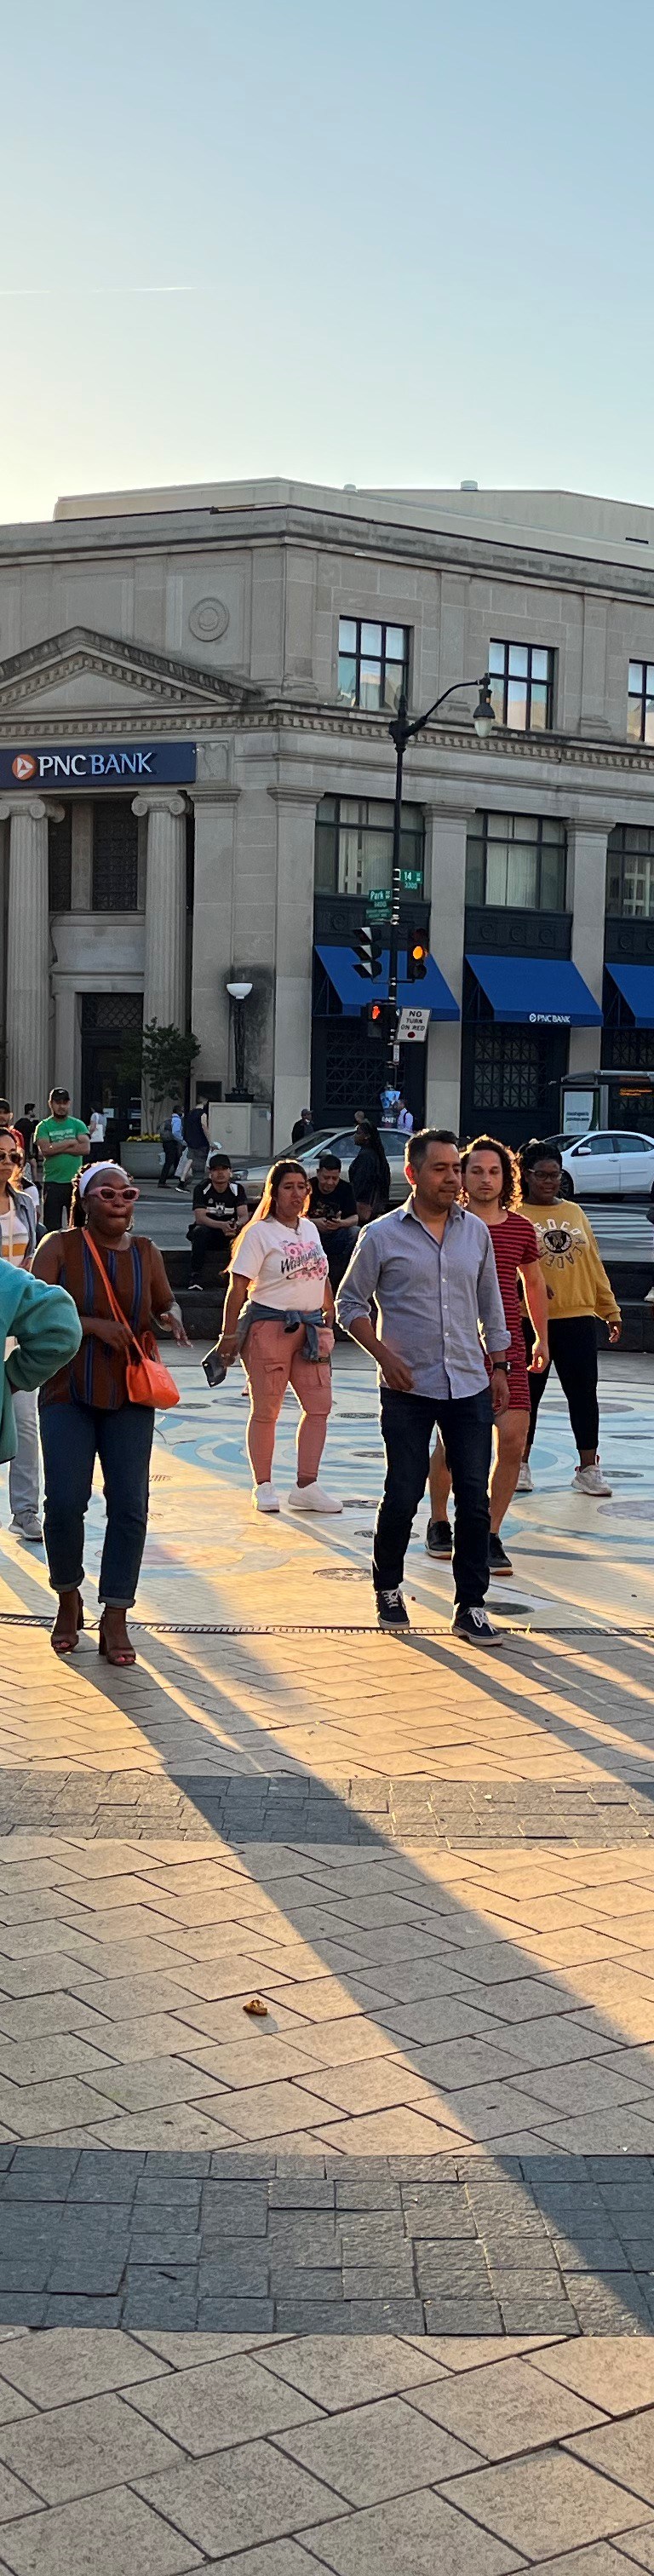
[[363, 243]]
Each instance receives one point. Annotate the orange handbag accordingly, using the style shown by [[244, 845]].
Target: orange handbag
[[147, 1379]]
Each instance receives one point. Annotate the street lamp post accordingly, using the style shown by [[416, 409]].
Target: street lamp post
[[239, 995], [402, 731]]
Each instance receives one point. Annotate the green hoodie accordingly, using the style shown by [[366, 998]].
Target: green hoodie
[[47, 1331]]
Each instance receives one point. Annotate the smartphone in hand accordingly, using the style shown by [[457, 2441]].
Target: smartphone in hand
[[214, 1369]]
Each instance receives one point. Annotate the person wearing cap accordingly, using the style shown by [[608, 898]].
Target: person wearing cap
[[220, 1208], [85, 1411], [62, 1143]]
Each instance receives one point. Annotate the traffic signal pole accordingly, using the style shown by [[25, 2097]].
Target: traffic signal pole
[[402, 731]]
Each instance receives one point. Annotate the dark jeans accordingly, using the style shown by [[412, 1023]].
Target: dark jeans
[[209, 1245], [339, 1252], [56, 1204], [171, 1153], [466, 1426], [72, 1436], [573, 1349]]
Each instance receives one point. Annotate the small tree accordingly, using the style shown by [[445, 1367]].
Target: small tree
[[159, 1065]]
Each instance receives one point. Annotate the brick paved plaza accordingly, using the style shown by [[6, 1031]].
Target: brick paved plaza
[[368, 2283]]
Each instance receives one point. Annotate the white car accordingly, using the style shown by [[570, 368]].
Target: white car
[[341, 1141], [611, 1163]]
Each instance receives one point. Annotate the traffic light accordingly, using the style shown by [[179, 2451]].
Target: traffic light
[[369, 951], [377, 1020], [416, 964]]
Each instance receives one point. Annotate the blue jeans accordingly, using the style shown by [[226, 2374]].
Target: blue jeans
[[466, 1427], [72, 1436]]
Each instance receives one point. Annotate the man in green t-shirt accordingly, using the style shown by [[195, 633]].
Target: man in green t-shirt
[[63, 1144]]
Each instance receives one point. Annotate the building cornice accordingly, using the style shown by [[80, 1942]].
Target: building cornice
[[328, 531]]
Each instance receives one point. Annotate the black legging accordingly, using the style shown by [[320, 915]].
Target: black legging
[[573, 1350]]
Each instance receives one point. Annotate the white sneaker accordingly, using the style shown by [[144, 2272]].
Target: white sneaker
[[264, 1499], [312, 1498], [591, 1480], [525, 1484], [27, 1525]]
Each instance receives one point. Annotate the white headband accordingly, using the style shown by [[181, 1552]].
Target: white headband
[[90, 1173]]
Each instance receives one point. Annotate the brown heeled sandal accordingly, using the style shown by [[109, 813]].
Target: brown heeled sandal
[[123, 1655], [65, 1642]]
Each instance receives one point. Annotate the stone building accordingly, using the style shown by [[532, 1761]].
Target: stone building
[[196, 783]]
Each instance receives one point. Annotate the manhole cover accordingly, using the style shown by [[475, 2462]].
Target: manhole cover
[[342, 1574]]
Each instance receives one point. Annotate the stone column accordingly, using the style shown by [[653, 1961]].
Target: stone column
[[296, 831], [215, 805], [28, 960], [165, 910], [587, 848], [445, 877]]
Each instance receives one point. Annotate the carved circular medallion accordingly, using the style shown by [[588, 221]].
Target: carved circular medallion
[[208, 619]]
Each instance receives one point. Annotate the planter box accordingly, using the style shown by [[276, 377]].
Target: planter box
[[142, 1157]]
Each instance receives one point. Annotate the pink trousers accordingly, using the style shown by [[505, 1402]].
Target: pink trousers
[[272, 1361]]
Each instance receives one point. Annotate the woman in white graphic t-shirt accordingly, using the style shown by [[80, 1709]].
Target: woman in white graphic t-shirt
[[279, 1267]]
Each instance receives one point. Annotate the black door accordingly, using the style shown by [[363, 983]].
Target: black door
[[110, 1021], [510, 1078]]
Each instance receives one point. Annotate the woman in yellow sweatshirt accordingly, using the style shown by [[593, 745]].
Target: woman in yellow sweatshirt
[[577, 1290]]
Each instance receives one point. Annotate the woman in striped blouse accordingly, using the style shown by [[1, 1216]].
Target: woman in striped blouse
[[84, 1411]]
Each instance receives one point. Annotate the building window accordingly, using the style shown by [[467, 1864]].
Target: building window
[[60, 863], [115, 855], [517, 861], [373, 663], [354, 847], [522, 686], [640, 702], [630, 873]]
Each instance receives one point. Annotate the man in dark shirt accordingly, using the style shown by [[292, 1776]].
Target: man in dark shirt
[[219, 1210], [303, 1128], [333, 1210]]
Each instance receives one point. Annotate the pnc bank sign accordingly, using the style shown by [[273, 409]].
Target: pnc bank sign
[[110, 764]]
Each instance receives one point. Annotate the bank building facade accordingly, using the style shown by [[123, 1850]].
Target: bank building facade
[[196, 787]]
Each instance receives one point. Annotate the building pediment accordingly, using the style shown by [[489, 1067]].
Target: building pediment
[[83, 672]]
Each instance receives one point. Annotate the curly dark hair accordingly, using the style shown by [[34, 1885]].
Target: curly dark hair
[[510, 1190]]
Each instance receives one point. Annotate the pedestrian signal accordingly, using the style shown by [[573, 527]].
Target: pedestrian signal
[[416, 964], [369, 951]]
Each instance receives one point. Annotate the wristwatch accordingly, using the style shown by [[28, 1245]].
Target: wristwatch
[[504, 1365]]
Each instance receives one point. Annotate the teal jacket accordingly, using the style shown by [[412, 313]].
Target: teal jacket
[[48, 1332]]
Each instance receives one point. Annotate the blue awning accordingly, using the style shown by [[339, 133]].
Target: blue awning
[[354, 990], [636, 985], [537, 990]]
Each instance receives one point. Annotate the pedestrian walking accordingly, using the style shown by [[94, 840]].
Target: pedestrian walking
[[491, 1184], [97, 1125], [333, 1210], [39, 1332], [24, 1128], [220, 1208], [404, 1118], [86, 1411], [18, 1231], [62, 1142], [430, 1267], [370, 1176], [172, 1143], [195, 1125], [284, 1333], [578, 1290], [303, 1127]]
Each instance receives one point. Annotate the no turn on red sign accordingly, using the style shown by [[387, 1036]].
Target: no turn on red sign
[[413, 1024]]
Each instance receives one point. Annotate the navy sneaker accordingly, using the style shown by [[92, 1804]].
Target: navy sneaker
[[475, 1627], [498, 1560], [438, 1541], [391, 1612]]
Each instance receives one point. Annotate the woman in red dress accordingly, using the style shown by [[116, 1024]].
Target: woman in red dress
[[492, 1189]]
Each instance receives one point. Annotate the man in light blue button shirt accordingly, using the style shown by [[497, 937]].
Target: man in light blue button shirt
[[430, 1267]]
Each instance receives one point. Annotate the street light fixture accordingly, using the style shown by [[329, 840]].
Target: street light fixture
[[402, 731]]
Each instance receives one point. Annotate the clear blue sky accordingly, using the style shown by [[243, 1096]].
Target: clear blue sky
[[411, 243]]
